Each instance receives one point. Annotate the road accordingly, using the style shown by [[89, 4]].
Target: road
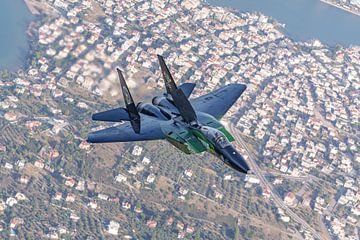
[[267, 185]]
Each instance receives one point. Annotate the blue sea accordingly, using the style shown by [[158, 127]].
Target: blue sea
[[14, 21], [305, 19]]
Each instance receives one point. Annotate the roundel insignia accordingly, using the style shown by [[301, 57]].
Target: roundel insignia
[[168, 81], [127, 95], [167, 77]]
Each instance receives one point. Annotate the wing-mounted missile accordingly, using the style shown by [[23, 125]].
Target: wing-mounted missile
[[178, 97], [129, 103]]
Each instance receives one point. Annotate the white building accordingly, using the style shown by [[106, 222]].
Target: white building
[[252, 179], [146, 161], [113, 228], [150, 178], [137, 150], [120, 178]]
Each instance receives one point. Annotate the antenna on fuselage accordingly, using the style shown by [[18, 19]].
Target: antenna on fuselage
[[129, 103], [179, 99]]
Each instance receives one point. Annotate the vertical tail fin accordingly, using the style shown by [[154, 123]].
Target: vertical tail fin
[[129, 103], [180, 100], [169, 81]]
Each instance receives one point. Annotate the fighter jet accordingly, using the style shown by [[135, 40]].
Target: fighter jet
[[191, 125]]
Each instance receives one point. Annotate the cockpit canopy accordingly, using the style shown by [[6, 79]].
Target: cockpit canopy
[[215, 136]]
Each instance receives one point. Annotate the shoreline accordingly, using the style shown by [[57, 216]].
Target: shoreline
[[22, 44], [340, 7], [298, 32], [37, 8], [32, 7]]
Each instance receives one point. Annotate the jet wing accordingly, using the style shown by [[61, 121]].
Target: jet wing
[[113, 115], [218, 102], [150, 130], [187, 88]]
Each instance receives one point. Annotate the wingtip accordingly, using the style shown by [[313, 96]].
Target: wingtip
[[239, 86], [244, 87]]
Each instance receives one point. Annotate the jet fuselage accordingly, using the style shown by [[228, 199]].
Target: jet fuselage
[[214, 140]]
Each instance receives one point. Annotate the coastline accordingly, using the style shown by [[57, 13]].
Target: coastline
[[16, 43], [320, 14], [37, 8], [340, 7], [32, 7]]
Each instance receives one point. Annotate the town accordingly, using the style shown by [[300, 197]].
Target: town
[[299, 118]]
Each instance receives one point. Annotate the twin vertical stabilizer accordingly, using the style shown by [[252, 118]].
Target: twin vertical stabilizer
[[179, 97], [129, 103], [180, 100]]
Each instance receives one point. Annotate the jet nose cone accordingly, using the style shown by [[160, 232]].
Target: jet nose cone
[[235, 160], [241, 165]]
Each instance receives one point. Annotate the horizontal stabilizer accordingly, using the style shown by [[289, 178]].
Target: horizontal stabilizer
[[187, 88], [113, 115]]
